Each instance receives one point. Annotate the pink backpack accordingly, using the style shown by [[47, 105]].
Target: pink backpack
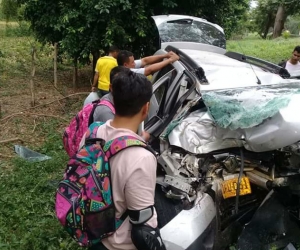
[[84, 202], [79, 125]]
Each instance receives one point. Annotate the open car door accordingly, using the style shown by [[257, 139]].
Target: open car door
[[166, 100]]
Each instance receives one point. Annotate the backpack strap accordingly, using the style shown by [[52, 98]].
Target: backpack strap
[[91, 117], [108, 104], [91, 133], [98, 103], [115, 146], [112, 147]]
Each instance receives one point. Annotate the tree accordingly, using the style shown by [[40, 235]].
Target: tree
[[244, 26], [225, 13], [44, 16], [85, 26], [281, 16], [9, 8], [285, 8], [274, 13], [264, 17]]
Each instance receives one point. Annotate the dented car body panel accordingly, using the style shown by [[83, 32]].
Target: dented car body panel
[[219, 117], [269, 129]]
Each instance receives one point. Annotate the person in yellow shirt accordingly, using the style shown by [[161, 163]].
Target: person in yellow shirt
[[102, 71]]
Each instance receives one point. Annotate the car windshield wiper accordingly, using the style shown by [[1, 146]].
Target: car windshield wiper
[[182, 21]]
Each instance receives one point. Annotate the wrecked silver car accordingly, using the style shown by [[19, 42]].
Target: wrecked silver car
[[227, 133]]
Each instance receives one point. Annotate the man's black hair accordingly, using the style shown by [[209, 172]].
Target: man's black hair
[[113, 49], [131, 92], [123, 57], [116, 70], [297, 48]]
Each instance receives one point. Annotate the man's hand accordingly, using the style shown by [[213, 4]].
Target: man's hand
[[158, 66], [174, 57], [146, 136], [95, 82], [170, 54]]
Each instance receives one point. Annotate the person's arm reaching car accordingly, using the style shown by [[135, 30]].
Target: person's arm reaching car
[[158, 66], [154, 59]]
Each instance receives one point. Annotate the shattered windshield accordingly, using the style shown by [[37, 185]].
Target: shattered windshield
[[189, 30], [248, 107]]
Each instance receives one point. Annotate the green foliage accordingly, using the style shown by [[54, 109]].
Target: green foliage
[[264, 17], [9, 9], [27, 218], [85, 26], [15, 57], [231, 14], [286, 34], [244, 26], [265, 13], [21, 29], [44, 16], [293, 24]]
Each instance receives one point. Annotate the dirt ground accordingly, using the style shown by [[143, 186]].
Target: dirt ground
[[19, 121]]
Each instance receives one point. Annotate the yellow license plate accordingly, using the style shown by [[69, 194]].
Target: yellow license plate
[[229, 187]]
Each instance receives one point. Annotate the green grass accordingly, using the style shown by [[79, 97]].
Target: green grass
[[27, 219], [27, 215], [15, 57], [16, 45], [270, 50], [15, 29]]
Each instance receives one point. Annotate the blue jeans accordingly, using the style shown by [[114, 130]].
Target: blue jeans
[[102, 92]]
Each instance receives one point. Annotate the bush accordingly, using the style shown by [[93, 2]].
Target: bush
[[292, 24], [286, 34]]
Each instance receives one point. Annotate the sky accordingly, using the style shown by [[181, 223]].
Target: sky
[[253, 3]]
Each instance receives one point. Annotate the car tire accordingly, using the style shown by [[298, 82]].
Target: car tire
[[166, 208]]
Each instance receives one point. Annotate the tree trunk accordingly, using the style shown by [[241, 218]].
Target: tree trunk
[[32, 88], [75, 73], [279, 21], [266, 30], [269, 23], [55, 65]]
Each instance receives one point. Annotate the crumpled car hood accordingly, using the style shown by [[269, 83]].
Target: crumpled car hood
[[223, 72], [200, 133], [248, 107]]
